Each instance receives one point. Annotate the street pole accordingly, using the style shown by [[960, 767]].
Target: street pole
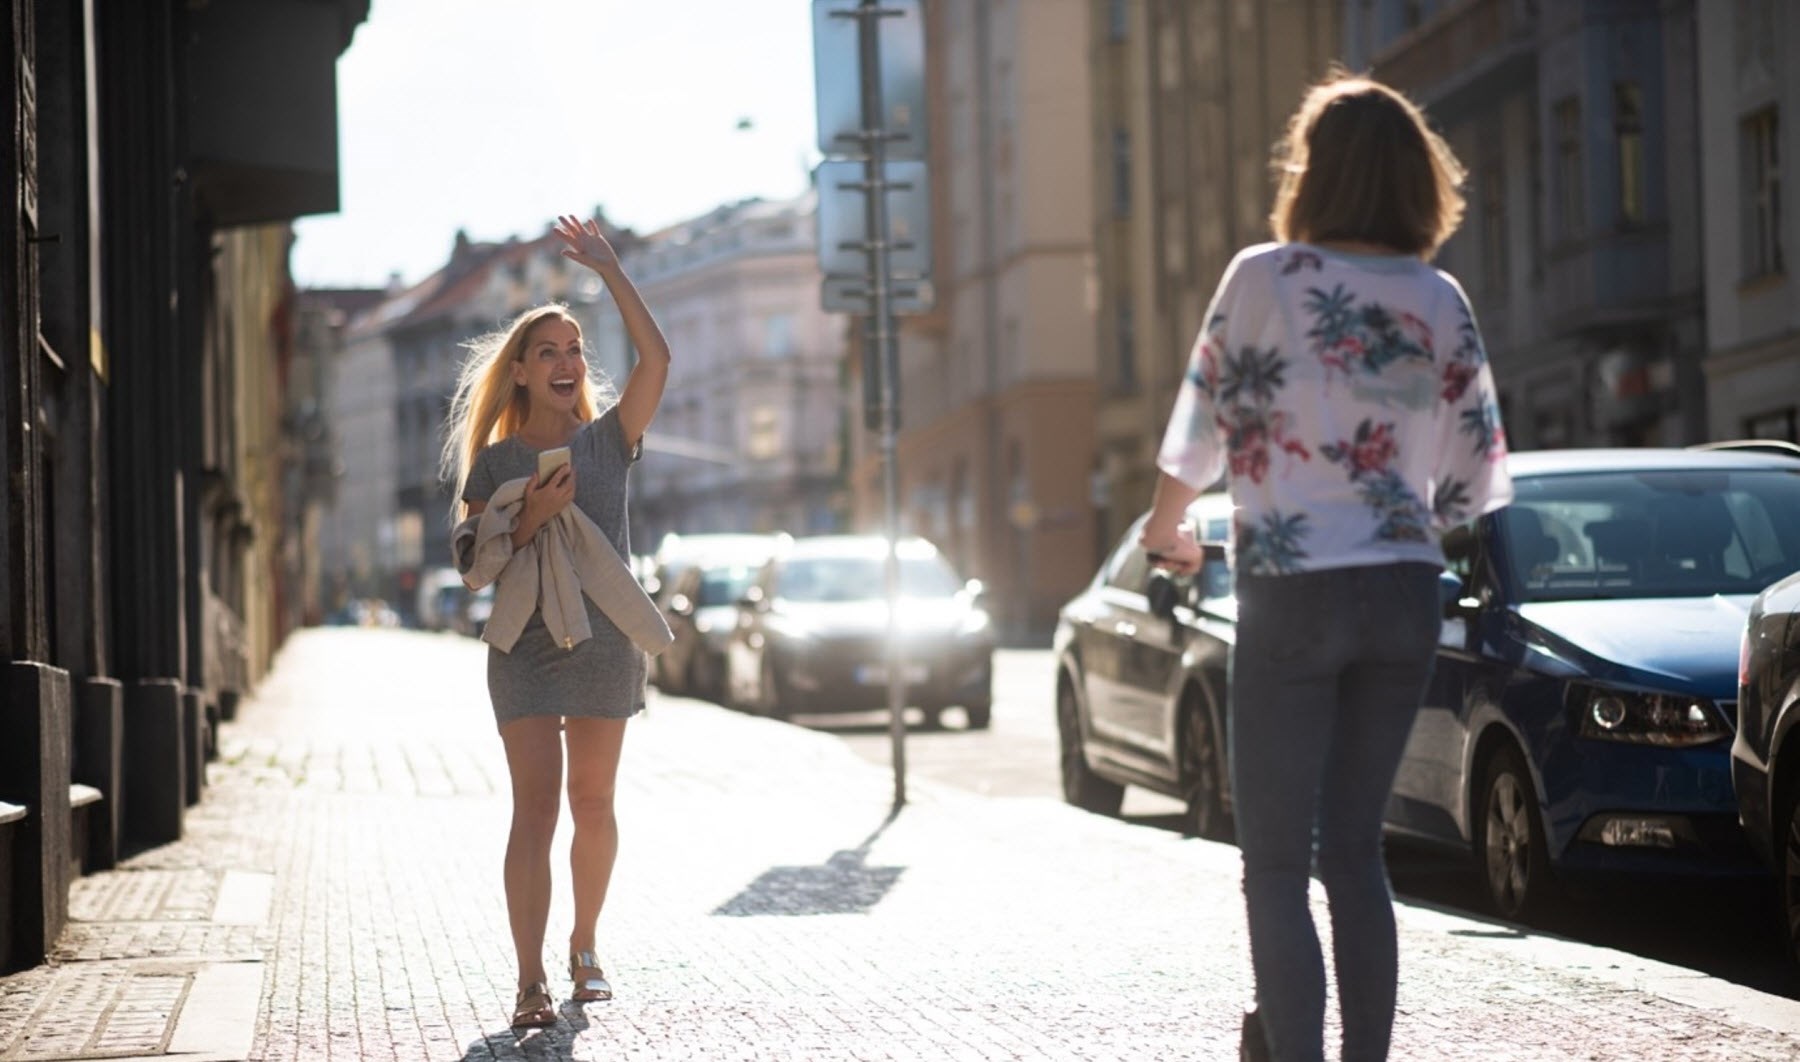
[[869, 14]]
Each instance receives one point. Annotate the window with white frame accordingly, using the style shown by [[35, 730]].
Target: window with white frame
[[1628, 132], [764, 435], [1571, 197], [1760, 134]]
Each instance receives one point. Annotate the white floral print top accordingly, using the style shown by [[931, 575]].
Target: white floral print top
[[1350, 399]]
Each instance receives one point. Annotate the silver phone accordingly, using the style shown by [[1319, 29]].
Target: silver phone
[[549, 461]]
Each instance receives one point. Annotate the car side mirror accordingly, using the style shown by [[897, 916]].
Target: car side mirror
[[1163, 595]]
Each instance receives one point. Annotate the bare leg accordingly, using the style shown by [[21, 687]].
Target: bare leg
[[534, 759], [594, 747]]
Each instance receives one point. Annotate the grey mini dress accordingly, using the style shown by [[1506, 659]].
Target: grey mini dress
[[602, 677]]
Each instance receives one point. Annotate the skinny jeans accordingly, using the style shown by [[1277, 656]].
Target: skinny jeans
[[1326, 676]]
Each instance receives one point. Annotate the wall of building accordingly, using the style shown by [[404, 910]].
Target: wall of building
[[1752, 303]]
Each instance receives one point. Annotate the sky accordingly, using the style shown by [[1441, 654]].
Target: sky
[[495, 116]]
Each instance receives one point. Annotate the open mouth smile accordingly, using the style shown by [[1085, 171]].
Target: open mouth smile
[[564, 388]]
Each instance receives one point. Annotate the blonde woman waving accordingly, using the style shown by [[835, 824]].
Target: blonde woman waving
[[540, 456]]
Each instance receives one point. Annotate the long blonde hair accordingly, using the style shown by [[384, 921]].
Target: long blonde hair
[[488, 406]]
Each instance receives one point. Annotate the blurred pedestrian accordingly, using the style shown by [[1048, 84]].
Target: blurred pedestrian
[[532, 429], [1341, 384]]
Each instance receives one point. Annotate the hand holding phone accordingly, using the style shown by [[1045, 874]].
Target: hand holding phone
[[549, 461]]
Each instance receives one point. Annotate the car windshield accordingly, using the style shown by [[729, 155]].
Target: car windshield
[[1652, 534], [724, 585], [861, 578]]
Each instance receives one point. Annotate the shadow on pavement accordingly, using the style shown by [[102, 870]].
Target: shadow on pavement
[[844, 884], [554, 1043]]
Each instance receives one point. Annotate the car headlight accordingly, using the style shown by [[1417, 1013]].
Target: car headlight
[[973, 623], [1665, 719]]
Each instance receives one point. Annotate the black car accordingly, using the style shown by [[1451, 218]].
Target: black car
[[812, 629], [675, 555], [701, 607], [1765, 755], [1140, 686]]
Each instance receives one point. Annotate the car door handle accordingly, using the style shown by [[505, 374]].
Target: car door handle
[[1124, 629]]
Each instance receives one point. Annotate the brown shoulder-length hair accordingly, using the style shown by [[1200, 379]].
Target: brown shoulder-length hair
[[1359, 162]]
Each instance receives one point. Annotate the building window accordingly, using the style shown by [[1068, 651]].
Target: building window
[[1125, 339], [1118, 19], [1781, 424], [765, 433], [1571, 203], [1628, 131], [778, 335], [1121, 173], [1762, 194], [1496, 263]]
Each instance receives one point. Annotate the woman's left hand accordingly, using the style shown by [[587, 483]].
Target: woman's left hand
[[585, 244]]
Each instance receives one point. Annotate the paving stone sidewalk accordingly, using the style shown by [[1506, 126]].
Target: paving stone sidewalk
[[338, 897]]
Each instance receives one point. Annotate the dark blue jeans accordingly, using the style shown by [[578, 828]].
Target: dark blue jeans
[[1326, 677]]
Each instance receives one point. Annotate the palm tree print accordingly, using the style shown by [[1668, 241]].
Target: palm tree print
[[1483, 422], [1369, 458], [1258, 373], [1450, 502], [1272, 546], [1362, 340], [1465, 361], [1246, 388]]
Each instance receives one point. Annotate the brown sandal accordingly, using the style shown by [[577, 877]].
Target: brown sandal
[[534, 1009], [590, 980]]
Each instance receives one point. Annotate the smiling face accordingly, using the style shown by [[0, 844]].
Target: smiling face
[[551, 368]]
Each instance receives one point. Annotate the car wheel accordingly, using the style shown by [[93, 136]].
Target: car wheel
[[981, 714], [1202, 775], [1081, 786], [1787, 856], [1509, 839], [769, 693]]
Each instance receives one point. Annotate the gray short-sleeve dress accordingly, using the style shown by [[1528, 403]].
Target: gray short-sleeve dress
[[602, 677]]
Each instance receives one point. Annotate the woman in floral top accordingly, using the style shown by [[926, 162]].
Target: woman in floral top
[[1341, 383]]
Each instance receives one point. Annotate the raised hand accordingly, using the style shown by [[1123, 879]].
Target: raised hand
[[585, 244]]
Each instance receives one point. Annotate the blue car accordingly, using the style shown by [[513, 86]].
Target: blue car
[[1579, 718]]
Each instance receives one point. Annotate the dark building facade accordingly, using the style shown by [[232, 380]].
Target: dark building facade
[[1582, 246], [159, 150]]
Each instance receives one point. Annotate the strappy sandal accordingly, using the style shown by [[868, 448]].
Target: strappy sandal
[[534, 1008], [590, 980]]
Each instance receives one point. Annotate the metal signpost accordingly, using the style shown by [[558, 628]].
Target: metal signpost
[[872, 52]]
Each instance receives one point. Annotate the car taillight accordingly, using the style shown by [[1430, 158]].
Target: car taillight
[[1744, 659]]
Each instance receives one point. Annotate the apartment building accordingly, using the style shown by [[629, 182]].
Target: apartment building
[[1582, 247]]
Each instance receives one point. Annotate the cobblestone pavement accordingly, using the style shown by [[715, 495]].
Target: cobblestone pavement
[[342, 878]]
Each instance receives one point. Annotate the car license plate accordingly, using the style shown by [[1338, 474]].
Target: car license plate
[[877, 675]]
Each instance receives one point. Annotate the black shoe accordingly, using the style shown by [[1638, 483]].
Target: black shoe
[[1253, 1046]]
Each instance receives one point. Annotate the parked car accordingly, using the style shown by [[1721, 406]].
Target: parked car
[[1140, 692], [1578, 717], [812, 632], [676, 553], [702, 612], [1765, 756]]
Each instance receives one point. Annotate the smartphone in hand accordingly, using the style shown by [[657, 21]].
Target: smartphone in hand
[[549, 462]]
